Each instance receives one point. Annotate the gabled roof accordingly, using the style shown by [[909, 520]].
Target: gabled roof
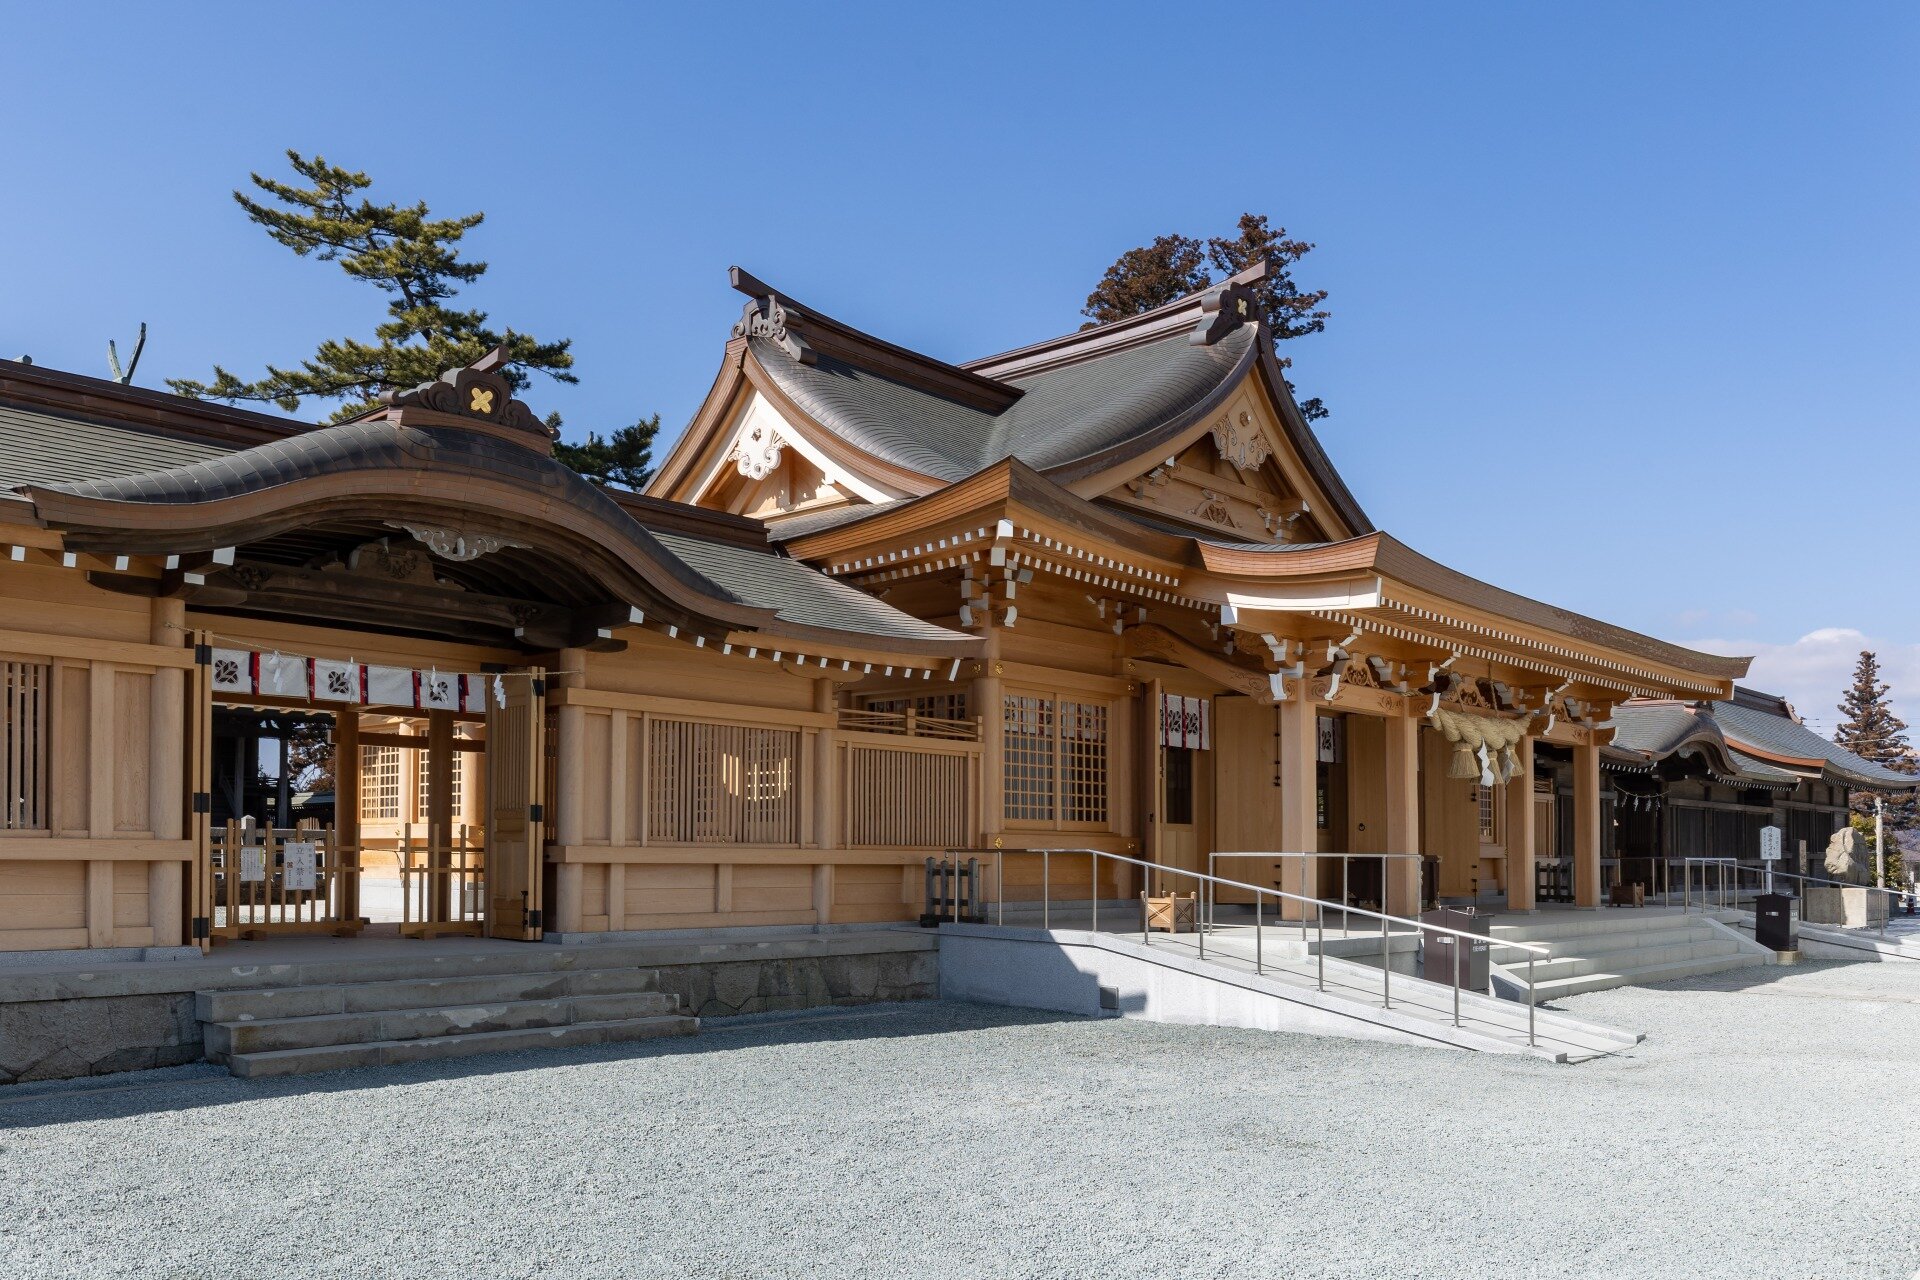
[[1751, 738], [121, 483], [1073, 408]]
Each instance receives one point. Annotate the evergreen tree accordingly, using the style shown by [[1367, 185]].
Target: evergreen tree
[[1174, 266], [624, 459], [1871, 731], [401, 251]]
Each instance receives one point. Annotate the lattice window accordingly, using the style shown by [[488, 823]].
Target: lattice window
[[23, 744], [1083, 762], [722, 783], [1489, 799], [423, 782], [379, 783], [1028, 748], [1055, 760]]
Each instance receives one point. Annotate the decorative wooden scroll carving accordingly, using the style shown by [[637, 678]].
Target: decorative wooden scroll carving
[[479, 391], [1242, 442], [767, 318], [455, 544], [758, 452]]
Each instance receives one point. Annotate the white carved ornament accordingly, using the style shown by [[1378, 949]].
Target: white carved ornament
[[758, 451], [1242, 443], [456, 544]]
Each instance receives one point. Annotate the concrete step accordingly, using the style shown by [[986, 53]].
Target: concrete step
[[1640, 976], [1588, 924], [225, 1040], [266, 1003], [1601, 943], [341, 1057], [1617, 950]]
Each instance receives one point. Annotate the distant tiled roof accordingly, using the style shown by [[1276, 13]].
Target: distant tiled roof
[[1064, 414], [44, 448], [1752, 727]]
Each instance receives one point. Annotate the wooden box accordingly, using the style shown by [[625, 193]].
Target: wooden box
[[1629, 895], [1173, 914]]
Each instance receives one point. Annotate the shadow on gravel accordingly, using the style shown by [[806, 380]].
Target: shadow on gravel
[[25, 1106]]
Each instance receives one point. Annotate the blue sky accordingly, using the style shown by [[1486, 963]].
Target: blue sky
[[1622, 294]]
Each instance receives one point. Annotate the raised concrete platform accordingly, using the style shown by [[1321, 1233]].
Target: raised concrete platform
[[1597, 951], [61, 1020]]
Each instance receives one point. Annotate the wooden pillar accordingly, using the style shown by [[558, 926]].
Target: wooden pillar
[[1299, 798], [986, 698], [99, 902], [1403, 814], [823, 893], [616, 896], [826, 771], [570, 775], [103, 752], [167, 748], [346, 805], [1519, 830], [440, 809], [1586, 826]]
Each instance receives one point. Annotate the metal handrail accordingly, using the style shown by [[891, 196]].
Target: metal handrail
[[1346, 860], [1534, 950], [1740, 868]]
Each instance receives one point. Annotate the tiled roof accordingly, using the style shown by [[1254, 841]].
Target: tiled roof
[[1755, 728], [44, 448], [1064, 414]]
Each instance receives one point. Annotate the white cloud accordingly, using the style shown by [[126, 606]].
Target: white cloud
[[1814, 671]]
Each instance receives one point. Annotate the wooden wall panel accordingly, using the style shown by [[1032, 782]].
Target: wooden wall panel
[[784, 890], [73, 775], [597, 790], [1366, 769], [669, 889], [866, 895], [1247, 804], [130, 907], [42, 895], [133, 748]]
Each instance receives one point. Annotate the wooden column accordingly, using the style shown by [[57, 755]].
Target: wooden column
[[167, 748], [823, 893], [616, 896], [1519, 830], [346, 804], [1299, 797], [1403, 814], [1586, 826], [440, 809], [569, 800], [985, 698], [826, 771]]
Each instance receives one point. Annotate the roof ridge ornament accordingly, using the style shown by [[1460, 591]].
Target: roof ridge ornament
[[479, 390], [1233, 303], [767, 317]]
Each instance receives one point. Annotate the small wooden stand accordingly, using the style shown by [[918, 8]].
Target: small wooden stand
[[1173, 914], [1628, 895]]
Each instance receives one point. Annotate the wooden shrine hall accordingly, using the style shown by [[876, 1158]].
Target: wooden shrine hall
[[1107, 591]]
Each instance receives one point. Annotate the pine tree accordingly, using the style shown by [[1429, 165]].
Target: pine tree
[[403, 252], [624, 459], [1174, 266], [1871, 731]]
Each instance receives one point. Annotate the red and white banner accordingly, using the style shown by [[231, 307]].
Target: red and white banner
[[363, 684], [1186, 722]]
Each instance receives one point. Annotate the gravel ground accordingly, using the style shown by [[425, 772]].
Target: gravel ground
[[957, 1140]]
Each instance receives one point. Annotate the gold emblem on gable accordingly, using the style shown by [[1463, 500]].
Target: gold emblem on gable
[[482, 401]]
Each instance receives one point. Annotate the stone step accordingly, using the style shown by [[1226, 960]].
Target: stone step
[[1640, 976], [1588, 924], [379, 1053], [226, 1040], [260, 1004], [1606, 943], [1545, 971]]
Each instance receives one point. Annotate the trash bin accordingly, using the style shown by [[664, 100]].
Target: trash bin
[[1773, 922], [1442, 954]]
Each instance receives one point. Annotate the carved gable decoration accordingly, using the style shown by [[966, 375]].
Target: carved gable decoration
[[479, 391], [455, 544], [768, 318], [1239, 439], [758, 452]]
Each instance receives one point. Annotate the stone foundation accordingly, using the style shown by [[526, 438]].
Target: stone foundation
[[61, 1021]]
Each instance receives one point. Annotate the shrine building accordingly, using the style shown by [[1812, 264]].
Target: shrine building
[[1104, 592]]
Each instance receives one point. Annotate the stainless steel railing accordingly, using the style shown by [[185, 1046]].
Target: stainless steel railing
[[1720, 887], [1311, 862], [1533, 950]]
